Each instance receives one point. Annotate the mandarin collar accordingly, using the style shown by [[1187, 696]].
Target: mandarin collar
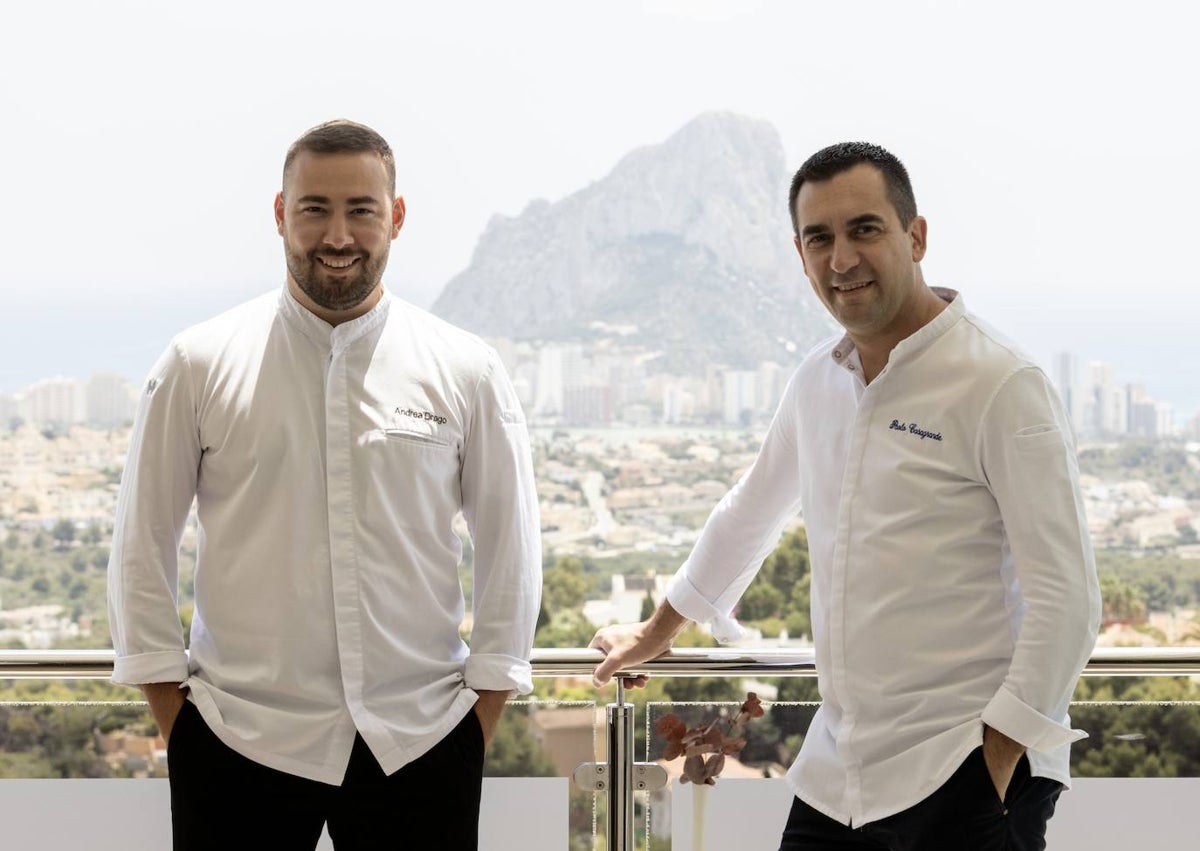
[[916, 342], [321, 332]]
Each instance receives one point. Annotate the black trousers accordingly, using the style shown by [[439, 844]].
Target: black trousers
[[222, 801], [964, 814]]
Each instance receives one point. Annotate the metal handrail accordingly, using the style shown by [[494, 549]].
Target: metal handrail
[[679, 662]]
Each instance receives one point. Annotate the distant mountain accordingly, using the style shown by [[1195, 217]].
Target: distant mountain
[[689, 241]]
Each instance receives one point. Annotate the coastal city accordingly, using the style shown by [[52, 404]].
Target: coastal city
[[628, 462], [628, 466]]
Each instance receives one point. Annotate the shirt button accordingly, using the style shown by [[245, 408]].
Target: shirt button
[[850, 367], [837, 354]]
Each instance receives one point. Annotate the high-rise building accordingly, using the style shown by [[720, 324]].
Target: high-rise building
[[1143, 419], [771, 379], [1191, 429], [740, 396], [1104, 411], [1166, 419], [679, 405], [712, 395], [1147, 417], [58, 401], [9, 409], [626, 376], [560, 365], [110, 400], [587, 404], [1066, 381], [548, 402]]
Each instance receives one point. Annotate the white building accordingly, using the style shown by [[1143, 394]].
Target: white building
[[111, 400], [1104, 405], [1066, 381], [59, 400], [679, 404], [772, 378], [559, 365], [740, 396], [10, 407]]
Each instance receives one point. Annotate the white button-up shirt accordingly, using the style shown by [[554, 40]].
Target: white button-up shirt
[[953, 580], [328, 466]]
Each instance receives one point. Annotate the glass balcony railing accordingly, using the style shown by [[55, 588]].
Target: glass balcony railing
[[585, 774]]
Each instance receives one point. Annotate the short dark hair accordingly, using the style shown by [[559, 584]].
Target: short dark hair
[[342, 136], [833, 160]]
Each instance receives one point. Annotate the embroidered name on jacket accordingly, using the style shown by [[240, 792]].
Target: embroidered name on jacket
[[913, 428], [421, 415]]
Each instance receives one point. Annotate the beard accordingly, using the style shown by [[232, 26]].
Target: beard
[[330, 290]]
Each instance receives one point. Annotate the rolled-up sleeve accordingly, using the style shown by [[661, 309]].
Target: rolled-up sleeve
[[500, 506], [157, 489], [1028, 455]]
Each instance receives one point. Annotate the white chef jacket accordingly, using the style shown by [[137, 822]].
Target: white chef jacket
[[953, 580], [328, 465]]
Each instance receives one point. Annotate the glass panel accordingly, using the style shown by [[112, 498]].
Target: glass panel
[[43, 737], [550, 739], [1138, 728], [57, 730], [1141, 731], [771, 743]]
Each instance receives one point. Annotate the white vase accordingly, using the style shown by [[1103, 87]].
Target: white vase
[[699, 804]]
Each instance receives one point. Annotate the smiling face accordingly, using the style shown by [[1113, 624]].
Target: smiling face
[[337, 219], [861, 261]]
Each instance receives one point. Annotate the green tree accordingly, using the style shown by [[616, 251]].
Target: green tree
[[513, 752], [63, 533], [1121, 601], [24, 764], [648, 607], [760, 601], [564, 585], [565, 628], [781, 588], [20, 732]]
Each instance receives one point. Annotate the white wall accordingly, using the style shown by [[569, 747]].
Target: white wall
[[135, 815], [1109, 814], [531, 814]]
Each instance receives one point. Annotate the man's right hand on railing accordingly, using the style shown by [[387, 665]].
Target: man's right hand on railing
[[626, 646]]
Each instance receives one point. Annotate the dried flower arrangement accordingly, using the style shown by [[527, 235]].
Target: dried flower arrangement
[[704, 746]]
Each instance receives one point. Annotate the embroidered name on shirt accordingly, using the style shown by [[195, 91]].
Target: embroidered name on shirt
[[913, 428], [421, 415]]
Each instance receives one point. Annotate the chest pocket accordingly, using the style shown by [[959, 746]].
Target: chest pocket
[[410, 478], [417, 435]]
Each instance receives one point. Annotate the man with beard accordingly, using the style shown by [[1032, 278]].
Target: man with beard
[[329, 435]]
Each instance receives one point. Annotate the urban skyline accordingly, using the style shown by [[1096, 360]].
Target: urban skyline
[[582, 385]]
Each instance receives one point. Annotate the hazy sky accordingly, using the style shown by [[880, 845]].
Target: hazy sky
[[1053, 147]]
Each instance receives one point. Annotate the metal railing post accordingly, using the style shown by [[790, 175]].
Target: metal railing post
[[620, 773]]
